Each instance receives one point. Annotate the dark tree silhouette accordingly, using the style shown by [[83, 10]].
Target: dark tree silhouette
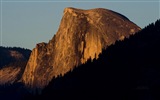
[[127, 70]]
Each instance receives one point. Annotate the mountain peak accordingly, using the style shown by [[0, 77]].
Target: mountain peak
[[82, 35], [97, 12]]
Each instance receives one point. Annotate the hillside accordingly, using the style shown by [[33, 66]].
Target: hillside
[[128, 70], [12, 64]]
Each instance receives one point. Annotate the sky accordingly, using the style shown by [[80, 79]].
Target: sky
[[24, 23]]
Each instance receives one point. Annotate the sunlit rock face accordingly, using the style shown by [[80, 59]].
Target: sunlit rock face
[[9, 75], [82, 35]]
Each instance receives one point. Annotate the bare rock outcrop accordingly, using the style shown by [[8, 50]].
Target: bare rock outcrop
[[82, 35], [9, 75]]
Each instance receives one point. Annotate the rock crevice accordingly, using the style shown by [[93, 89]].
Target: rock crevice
[[82, 35]]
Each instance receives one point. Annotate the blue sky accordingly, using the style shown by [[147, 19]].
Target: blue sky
[[24, 23]]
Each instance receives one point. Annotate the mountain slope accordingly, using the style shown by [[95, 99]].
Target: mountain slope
[[82, 35], [12, 64], [12, 54], [128, 70]]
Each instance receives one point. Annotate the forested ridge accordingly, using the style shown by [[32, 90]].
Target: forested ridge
[[127, 70], [8, 56]]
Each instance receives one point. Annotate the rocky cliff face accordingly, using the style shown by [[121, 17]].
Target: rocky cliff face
[[82, 35], [9, 75]]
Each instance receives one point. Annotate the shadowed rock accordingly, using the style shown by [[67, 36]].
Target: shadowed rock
[[12, 64]]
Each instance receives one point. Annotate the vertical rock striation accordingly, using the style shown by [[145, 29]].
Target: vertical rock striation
[[82, 35]]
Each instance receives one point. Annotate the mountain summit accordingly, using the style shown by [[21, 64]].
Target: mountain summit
[[82, 35]]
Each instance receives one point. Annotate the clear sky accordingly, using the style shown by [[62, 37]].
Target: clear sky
[[24, 23]]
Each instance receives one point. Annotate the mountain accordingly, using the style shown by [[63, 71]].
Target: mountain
[[128, 70], [12, 63], [82, 35], [13, 54]]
